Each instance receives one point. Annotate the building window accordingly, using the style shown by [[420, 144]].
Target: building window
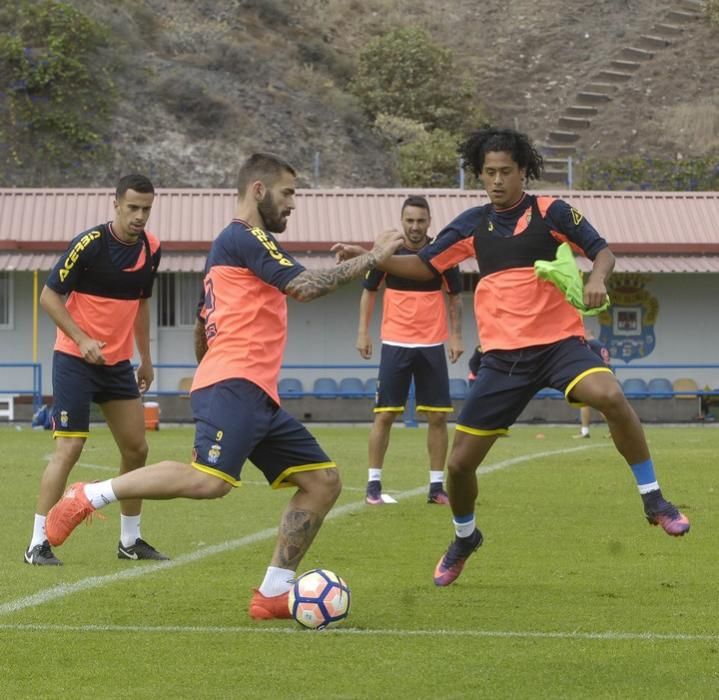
[[6, 305], [177, 297]]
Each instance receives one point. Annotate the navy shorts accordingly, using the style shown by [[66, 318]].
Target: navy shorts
[[76, 384], [508, 379], [235, 420], [428, 366]]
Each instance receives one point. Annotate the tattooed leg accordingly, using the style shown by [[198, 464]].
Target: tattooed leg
[[297, 530], [303, 517]]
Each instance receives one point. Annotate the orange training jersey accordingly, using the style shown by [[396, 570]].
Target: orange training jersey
[[245, 309], [414, 312], [104, 279], [513, 307]]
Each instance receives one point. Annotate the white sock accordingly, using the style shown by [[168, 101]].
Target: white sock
[[100, 493], [277, 581], [585, 430], [129, 529], [38, 531], [436, 477], [375, 474], [466, 528]]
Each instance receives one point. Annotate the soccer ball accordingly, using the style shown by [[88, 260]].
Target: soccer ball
[[319, 598]]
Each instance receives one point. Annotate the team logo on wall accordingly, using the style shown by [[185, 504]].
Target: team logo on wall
[[627, 327]]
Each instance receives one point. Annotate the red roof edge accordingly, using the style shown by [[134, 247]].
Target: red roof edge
[[665, 248], [324, 247]]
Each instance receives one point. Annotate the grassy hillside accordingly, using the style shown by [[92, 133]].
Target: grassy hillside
[[200, 85]]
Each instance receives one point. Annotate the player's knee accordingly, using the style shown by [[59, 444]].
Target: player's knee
[[135, 453], [612, 400], [385, 419], [207, 486], [335, 482], [436, 419], [455, 468], [332, 484], [68, 451], [326, 485]]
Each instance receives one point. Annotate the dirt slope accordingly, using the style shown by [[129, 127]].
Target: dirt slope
[[204, 83]]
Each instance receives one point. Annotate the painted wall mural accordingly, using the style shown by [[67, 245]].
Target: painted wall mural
[[627, 326]]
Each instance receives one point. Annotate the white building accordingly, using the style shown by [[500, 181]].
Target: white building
[[665, 288]]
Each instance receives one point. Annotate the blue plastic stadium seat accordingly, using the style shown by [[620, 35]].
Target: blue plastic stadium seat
[[635, 388], [351, 388], [325, 388], [549, 394], [660, 388], [458, 388], [370, 387], [290, 388]]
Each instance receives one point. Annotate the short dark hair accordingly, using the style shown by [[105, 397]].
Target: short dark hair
[[415, 200], [490, 139], [136, 182], [265, 167]]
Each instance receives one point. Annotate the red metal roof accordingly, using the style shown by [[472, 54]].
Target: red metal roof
[[195, 262], [656, 224]]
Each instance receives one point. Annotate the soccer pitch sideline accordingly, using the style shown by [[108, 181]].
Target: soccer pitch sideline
[[572, 595]]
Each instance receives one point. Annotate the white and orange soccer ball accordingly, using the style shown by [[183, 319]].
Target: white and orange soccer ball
[[319, 598]]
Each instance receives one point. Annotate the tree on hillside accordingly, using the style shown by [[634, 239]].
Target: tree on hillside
[[404, 73], [712, 10], [419, 101], [55, 89]]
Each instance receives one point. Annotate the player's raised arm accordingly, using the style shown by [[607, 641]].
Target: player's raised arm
[[310, 284], [410, 266]]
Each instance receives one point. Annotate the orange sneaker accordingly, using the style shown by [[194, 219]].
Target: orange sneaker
[[67, 514], [276, 607]]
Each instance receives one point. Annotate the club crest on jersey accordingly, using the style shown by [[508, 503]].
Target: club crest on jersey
[[213, 455]]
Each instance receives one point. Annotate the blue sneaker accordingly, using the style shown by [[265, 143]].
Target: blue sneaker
[[374, 493], [437, 495], [669, 517], [452, 562]]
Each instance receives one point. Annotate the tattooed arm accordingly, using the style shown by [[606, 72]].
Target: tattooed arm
[[310, 284]]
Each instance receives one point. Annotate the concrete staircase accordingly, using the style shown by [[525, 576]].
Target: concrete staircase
[[576, 119]]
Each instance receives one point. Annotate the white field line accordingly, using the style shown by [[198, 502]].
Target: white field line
[[65, 589], [495, 634]]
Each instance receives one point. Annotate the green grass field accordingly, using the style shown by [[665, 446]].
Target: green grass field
[[572, 596]]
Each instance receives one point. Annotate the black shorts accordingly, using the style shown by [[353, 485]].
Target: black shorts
[[235, 420], [508, 379], [76, 384], [428, 366]]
